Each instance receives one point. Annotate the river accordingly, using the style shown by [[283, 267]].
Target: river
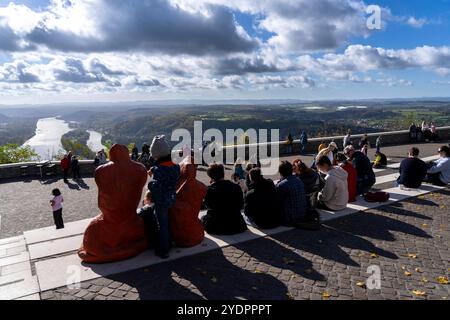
[[47, 141], [95, 141]]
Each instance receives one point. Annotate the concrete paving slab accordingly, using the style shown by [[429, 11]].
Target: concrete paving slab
[[50, 233], [54, 247], [22, 257], [14, 268], [22, 288]]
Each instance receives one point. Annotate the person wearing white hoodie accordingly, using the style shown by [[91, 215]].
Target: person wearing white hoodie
[[334, 196]]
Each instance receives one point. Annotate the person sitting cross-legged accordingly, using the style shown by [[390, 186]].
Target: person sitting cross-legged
[[224, 201], [439, 171], [261, 206], [334, 196], [412, 170]]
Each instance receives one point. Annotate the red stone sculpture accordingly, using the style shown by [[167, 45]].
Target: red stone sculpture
[[117, 233], [185, 226]]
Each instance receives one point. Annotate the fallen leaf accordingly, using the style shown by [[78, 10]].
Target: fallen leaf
[[258, 271], [418, 270], [361, 285], [214, 280], [326, 295], [419, 293], [408, 274], [442, 280], [424, 225], [290, 296], [412, 256], [373, 255], [403, 268], [424, 280]]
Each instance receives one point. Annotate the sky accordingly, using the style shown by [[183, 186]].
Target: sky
[[130, 50]]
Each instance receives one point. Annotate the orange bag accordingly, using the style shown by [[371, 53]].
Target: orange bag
[[185, 226]]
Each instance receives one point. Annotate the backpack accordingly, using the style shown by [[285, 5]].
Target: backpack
[[377, 197]]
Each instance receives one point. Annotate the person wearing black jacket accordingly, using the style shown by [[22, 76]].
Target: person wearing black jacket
[[412, 170], [261, 205], [224, 201], [365, 176]]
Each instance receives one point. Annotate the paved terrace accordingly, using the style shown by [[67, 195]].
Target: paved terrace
[[407, 239]]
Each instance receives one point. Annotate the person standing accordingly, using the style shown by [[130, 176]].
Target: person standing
[[75, 166], [289, 144], [378, 144], [347, 140], [364, 141], [413, 132], [102, 157], [304, 141], [134, 153], [65, 166], [165, 175], [57, 207]]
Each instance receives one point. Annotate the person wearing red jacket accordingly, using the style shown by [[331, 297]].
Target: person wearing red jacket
[[65, 166], [352, 176]]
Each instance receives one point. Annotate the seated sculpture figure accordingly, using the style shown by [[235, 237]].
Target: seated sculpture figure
[[117, 233], [185, 226]]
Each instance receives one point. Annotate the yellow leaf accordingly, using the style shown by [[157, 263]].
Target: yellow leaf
[[326, 295], [419, 293], [442, 280], [424, 280], [403, 268], [418, 270], [408, 274], [258, 271], [361, 284], [373, 255], [425, 225], [290, 296], [412, 256]]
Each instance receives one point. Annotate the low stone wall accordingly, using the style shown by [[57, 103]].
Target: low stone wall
[[389, 139], [87, 167], [32, 171]]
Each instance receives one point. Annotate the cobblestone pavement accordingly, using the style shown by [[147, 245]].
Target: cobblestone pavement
[[408, 241], [24, 205]]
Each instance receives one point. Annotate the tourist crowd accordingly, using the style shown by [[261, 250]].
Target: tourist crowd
[[171, 205]]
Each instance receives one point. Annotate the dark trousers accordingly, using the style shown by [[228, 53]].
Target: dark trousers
[[76, 172], [163, 243], [57, 217], [435, 179], [65, 174]]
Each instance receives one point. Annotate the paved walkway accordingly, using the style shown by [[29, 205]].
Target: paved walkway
[[408, 241]]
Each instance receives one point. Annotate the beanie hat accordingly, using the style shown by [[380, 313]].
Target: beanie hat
[[160, 148]]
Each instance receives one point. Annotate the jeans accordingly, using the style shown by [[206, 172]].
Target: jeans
[[163, 243]]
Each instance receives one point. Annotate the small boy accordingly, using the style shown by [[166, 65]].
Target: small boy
[[56, 204], [147, 213], [165, 176]]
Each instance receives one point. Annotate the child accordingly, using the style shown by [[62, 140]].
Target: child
[[56, 204], [165, 176], [147, 213], [238, 169]]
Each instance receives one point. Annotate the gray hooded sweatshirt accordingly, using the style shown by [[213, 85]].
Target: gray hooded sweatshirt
[[335, 193]]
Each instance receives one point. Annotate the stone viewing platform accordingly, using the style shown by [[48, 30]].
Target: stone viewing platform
[[407, 238]]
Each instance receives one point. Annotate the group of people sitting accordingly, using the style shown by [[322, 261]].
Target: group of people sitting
[[425, 132]]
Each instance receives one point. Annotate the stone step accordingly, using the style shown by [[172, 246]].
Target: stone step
[[14, 268], [32, 297], [11, 240], [428, 159], [14, 259], [50, 233], [15, 277], [19, 289], [55, 247]]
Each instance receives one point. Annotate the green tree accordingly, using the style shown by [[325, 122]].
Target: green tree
[[13, 153]]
